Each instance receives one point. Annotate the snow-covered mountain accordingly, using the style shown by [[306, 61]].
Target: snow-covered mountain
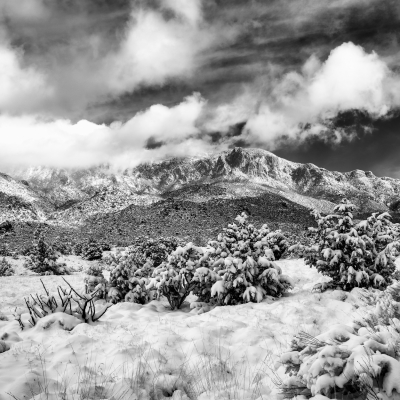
[[72, 195]]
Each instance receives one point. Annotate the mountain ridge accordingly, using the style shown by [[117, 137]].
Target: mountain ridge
[[71, 196]]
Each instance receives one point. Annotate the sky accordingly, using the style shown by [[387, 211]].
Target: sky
[[85, 82]]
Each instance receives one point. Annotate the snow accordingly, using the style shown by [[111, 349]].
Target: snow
[[148, 351]]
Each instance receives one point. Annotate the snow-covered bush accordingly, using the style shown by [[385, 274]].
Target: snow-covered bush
[[43, 258], [127, 276], [132, 268], [361, 361], [69, 301], [353, 255], [243, 261], [6, 268], [235, 268], [174, 278], [95, 281]]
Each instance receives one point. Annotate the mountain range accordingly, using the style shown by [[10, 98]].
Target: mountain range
[[72, 198]]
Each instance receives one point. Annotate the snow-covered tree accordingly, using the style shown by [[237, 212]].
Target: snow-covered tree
[[353, 255]]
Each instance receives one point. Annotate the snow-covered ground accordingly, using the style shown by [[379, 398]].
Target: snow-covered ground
[[151, 352]]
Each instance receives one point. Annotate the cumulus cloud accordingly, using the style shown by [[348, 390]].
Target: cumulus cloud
[[154, 50], [31, 140], [301, 104]]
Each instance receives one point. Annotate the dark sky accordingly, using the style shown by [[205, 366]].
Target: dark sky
[[311, 80]]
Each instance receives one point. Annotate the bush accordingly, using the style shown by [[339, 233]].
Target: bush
[[353, 255], [174, 278], [90, 249], [43, 258], [243, 260], [236, 268], [127, 276], [6, 268], [130, 269], [62, 246], [350, 362], [95, 282], [4, 250], [69, 301]]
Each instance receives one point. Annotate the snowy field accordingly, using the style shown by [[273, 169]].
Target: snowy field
[[150, 352]]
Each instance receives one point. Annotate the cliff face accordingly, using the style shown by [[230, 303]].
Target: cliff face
[[75, 194]]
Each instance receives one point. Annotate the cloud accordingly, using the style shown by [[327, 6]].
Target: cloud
[[21, 87], [23, 10], [301, 104], [31, 140], [160, 43], [153, 51]]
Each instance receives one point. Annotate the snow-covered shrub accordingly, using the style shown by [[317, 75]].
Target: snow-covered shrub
[[6, 268], [235, 268], [43, 258], [361, 361], [69, 301], [174, 278], [95, 281], [94, 270], [127, 277], [243, 260], [132, 268], [353, 255]]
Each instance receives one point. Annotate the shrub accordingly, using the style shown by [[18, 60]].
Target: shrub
[[43, 258], [353, 255], [126, 276], [6, 268], [95, 282], [243, 259], [130, 269], [4, 250], [174, 278], [154, 250], [350, 362], [237, 267], [69, 301], [62, 246], [90, 249]]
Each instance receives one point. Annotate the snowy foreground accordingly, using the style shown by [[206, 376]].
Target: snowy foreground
[[149, 352]]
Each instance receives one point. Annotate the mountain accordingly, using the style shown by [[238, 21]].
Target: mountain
[[19, 202], [232, 178]]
